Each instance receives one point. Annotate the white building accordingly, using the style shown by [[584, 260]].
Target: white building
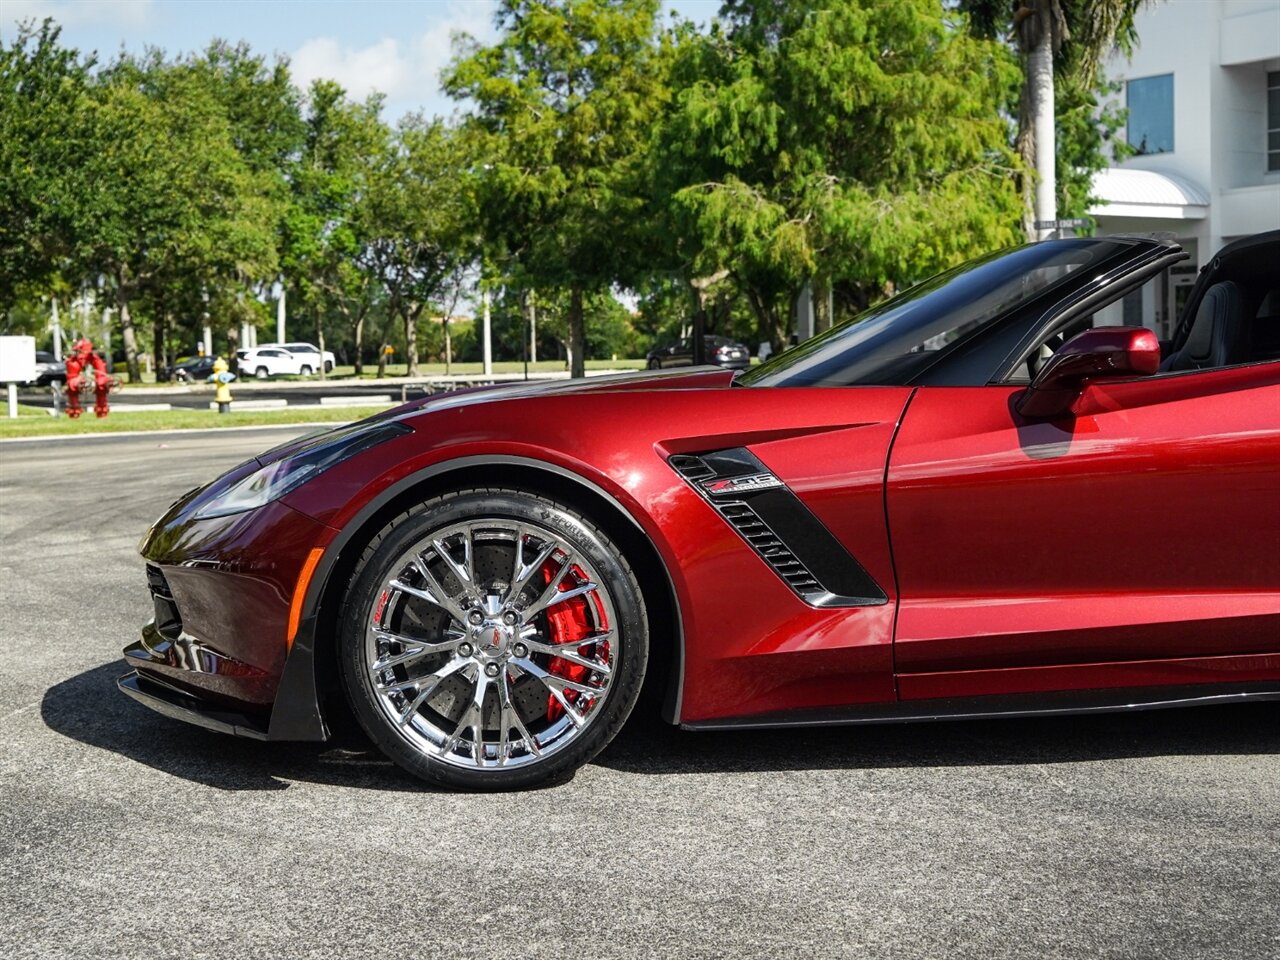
[[1203, 95]]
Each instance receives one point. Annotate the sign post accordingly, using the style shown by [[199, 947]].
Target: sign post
[[17, 365]]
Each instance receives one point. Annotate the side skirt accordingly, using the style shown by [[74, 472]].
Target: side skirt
[[1066, 703]]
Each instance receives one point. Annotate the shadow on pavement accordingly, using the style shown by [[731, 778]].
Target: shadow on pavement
[[88, 708], [1238, 730]]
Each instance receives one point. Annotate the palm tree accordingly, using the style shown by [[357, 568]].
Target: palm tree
[[1063, 36]]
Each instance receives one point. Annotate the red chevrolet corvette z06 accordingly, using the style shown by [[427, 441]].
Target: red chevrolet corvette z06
[[977, 499]]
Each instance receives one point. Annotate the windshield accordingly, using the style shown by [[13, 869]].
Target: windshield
[[896, 341]]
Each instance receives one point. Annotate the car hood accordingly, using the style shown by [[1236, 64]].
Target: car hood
[[640, 380], [701, 378]]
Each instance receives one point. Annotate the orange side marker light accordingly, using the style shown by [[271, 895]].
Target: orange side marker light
[[300, 593]]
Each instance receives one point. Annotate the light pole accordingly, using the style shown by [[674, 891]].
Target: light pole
[[280, 310], [57, 331], [488, 337]]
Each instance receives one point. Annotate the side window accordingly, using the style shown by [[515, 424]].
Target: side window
[[1237, 321], [1273, 121], [1149, 101]]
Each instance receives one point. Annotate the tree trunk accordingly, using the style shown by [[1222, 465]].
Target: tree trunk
[[158, 351], [359, 340], [382, 359], [410, 313], [772, 328], [531, 313], [823, 307], [1036, 134], [448, 347], [320, 344], [577, 335], [127, 333], [698, 331]]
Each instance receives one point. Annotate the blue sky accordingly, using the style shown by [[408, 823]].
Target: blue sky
[[395, 46]]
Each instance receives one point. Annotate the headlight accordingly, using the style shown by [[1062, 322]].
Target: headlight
[[274, 480]]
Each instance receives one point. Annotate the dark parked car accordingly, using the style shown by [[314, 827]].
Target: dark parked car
[[190, 369], [721, 351], [976, 499], [49, 370]]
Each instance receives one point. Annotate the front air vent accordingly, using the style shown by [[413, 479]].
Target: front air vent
[[692, 469], [778, 526], [157, 583], [168, 620]]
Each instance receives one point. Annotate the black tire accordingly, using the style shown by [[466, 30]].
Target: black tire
[[655, 363], [304, 371], [328, 366], [262, 373], [382, 559]]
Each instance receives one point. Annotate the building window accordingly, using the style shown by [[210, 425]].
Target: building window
[[1150, 103], [1273, 121]]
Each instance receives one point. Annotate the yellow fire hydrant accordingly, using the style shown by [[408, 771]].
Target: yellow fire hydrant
[[222, 376]]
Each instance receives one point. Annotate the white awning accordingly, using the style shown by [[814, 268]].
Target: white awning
[[1146, 194]]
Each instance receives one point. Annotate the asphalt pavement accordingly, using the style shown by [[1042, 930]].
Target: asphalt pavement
[[126, 834]]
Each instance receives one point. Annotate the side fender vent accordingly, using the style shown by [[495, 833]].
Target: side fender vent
[[777, 525]]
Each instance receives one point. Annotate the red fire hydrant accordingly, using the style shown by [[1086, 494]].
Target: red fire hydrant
[[83, 356]]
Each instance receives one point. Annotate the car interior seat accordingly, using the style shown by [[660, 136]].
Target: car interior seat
[[1219, 335], [1266, 328]]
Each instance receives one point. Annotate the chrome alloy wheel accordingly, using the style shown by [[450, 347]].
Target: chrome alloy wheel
[[491, 644]]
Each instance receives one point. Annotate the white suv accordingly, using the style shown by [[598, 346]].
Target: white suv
[[308, 353], [263, 362]]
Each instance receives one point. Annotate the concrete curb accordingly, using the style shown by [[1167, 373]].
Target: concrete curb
[[58, 438]]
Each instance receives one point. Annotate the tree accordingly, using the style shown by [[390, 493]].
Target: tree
[[325, 232], [860, 144], [1053, 37], [415, 222], [563, 102], [43, 89], [168, 195]]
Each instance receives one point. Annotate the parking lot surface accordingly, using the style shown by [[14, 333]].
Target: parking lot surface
[[126, 834]]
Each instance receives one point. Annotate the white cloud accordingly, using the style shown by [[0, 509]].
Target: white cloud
[[408, 70], [71, 13], [435, 45], [380, 66]]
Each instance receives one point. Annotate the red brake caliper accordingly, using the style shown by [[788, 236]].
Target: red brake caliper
[[566, 622]]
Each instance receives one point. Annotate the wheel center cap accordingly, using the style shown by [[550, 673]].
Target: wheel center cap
[[494, 638]]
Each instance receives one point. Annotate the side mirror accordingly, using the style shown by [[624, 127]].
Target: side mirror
[[1100, 352]]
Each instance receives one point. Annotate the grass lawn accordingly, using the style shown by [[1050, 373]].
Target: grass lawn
[[36, 422], [347, 372]]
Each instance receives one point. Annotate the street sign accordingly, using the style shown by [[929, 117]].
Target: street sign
[[17, 365], [17, 359], [1068, 224]]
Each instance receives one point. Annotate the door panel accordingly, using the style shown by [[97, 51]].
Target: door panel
[[1147, 528]]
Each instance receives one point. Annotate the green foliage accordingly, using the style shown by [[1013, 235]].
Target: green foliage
[[326, 234], [416, 222], [43, 88], [1085, 32], [860, 141], [563, 101], [856, 145], [1088, 117]]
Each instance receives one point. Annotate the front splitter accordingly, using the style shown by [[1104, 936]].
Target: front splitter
[[167, 699]]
